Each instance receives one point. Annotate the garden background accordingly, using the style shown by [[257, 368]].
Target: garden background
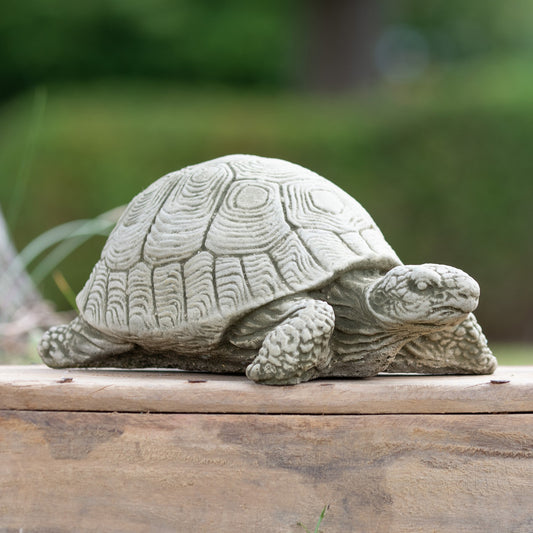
[[423, 111]]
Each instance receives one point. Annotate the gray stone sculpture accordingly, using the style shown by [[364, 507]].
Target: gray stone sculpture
[[257, 265]]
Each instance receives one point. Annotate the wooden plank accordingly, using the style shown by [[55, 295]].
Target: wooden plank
[[263, 473], [41, 388]]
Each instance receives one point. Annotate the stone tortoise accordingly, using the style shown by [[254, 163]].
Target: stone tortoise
[[258, 265]]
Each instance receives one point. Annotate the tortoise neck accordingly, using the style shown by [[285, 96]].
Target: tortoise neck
[[348, 297]]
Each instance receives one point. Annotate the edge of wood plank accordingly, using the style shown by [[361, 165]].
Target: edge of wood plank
[[509, 390]]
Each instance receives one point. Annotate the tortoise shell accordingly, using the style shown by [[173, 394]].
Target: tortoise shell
[[203, 246]]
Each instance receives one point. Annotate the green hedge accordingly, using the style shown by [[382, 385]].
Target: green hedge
[[445, 167], [234, 42]]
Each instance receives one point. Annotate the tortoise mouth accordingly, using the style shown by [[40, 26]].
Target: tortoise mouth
[[452, 311], [448, 309]]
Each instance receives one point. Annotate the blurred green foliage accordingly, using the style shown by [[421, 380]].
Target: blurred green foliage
[[233, 42], [444, 165], [443, 162], [264, 43], [513, 354], [466, 29]]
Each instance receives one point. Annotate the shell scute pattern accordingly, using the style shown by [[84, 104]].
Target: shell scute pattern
[[142, 315], [266, 283], [273, 170], [311, 204], [169, 295], [117, 305], [231, 285], [298, 268], [125, 248], [373, 237], [204, 245], [182, 222], [200, 295], [250, 219], [328, 247], [90, 300]]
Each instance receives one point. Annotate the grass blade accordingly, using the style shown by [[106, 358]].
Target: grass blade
[[322, 515], [317, 528], [66, 238], [65, 288]]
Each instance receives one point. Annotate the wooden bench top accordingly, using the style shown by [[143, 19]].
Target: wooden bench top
[[509, 390]]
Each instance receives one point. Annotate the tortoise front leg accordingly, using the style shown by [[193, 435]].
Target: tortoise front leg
[[295, 335], [462, 349]]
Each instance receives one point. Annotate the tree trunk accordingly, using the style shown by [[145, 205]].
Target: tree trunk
[[342, 36]]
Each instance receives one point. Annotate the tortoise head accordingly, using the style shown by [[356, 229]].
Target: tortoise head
[[426, 295]]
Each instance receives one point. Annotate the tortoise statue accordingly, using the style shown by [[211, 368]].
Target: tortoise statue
[[257, 265]]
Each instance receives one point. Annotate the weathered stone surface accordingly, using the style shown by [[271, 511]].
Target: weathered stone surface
[[257, 265]]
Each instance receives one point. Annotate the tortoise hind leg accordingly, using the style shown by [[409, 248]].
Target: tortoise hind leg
[[293, 335], [78, 344], [462, 349]]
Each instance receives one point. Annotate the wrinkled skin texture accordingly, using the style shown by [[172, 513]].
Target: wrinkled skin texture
[[407, 302], [424, 294]]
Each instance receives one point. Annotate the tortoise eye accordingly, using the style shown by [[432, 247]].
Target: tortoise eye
[[422, 285]]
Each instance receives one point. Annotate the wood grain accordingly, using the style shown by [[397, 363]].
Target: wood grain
[[118, 472], [510, 389]]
